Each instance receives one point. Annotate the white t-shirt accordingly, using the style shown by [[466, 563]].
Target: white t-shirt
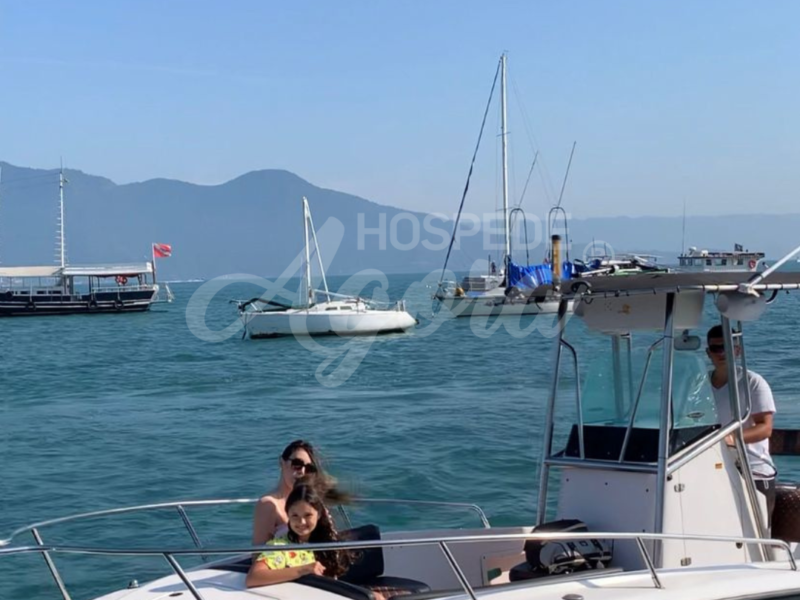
[[762, 402]]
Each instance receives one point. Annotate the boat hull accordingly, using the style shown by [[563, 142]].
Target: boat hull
[[271, 324], [16, 305], [497, 304]]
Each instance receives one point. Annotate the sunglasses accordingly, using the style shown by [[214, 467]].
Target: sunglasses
[[298, 464], [716, 348]]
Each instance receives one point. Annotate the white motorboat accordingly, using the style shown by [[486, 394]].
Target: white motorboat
[[645, 466], [321, 312]]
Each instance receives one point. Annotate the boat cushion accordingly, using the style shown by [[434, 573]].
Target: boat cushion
[[368, 565], [368, 562], [786, 515]]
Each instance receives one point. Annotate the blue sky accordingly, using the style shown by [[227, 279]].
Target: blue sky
[[668, 101]]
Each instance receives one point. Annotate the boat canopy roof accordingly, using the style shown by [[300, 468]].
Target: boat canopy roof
[[30, 271], [663, 283], [109, 270]]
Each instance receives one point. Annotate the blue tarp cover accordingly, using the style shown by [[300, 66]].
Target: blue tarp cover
[[533, 276]]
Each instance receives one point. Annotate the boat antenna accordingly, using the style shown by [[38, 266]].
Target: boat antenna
[[683, 229], [469, 175], [61, 242]]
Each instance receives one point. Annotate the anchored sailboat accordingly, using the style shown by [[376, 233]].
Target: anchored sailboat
[[505, 292], [336, 314]]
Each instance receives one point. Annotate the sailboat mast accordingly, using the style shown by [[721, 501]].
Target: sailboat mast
[[309, 289], [62, 251], [319, 256], [504, 135]]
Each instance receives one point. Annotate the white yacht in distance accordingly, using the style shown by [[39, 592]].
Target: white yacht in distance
[[333, 315], [738, 260], [667, 509]]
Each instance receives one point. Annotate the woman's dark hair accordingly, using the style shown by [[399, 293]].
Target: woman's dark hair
[[323, 479], [299, 445], [336, 562]]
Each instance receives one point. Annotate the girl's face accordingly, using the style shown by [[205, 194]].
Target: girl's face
[[297, 465], [302, 519]]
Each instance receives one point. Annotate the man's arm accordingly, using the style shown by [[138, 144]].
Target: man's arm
[[761, 430]]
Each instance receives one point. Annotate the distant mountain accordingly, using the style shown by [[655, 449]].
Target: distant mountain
[[253, 224]]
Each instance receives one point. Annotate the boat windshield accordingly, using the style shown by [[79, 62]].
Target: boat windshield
[[610, 387]]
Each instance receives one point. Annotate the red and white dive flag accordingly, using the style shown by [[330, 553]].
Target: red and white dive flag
[[162, 250]]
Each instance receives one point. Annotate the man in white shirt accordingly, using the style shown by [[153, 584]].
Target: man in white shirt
[[758, 427]]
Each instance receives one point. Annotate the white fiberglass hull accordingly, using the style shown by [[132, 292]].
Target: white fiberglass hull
[[495, 303], [318, 322]]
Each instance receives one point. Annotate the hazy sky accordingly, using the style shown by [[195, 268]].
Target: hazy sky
[[668, 101]]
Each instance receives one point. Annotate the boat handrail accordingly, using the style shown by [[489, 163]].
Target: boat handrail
[[359, 299], [169, 554], [180, 505], [124, 288]]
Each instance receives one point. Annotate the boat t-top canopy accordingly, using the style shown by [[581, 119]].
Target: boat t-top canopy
[[109, 270]]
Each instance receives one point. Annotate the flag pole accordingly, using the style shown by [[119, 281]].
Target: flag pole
[[153, 250]]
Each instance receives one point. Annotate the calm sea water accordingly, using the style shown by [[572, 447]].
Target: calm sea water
[[105, 411]]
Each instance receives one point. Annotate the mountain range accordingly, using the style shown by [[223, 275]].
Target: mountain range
[[253, 224]]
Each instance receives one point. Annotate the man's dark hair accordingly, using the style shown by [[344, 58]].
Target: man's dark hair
[[715, 333]]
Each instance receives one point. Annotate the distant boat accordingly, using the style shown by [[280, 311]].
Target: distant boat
[[66, 289], [738, 260], [334, 315]]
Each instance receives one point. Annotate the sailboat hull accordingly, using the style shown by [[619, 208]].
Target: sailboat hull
[[325, 321], [497, 304]]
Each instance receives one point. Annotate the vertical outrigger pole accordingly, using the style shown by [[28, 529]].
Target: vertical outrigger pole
[[547, 437], [665, 425]]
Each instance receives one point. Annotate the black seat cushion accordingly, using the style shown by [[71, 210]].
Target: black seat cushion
[[368, 565], [367, 562]]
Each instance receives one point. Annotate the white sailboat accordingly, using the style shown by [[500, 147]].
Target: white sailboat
[[490, 294], [334, 315]]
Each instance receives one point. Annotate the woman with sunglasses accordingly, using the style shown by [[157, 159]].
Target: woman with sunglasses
[[298, 459]]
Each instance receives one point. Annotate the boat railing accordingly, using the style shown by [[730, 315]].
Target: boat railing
[[181, 506], [123, 288], [34, 291], [444, 543], [399, 305]]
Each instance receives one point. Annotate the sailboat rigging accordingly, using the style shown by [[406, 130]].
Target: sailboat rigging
[[506, 292]]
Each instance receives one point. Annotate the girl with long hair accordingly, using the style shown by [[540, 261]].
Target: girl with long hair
[[309, 521]]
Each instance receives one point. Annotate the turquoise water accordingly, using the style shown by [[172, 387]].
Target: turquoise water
[[106, 411]]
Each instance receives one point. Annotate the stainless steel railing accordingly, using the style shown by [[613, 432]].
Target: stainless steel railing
[[442, 542], [180, 507]]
